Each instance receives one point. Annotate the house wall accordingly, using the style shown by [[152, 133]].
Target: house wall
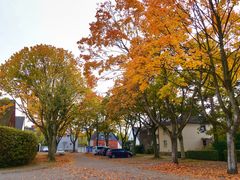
[[145, 138], [9, 118], [192, 138], [111, 144], [66, 144]]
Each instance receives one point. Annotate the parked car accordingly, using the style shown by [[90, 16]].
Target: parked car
[[96, 149], [45, 149], [60, 151], [118, 153], [103, 151]]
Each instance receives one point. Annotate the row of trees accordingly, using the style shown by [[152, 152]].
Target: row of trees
[[48, 87], [171, 60]]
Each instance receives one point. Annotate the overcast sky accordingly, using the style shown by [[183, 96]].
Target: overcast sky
[[57, 22]]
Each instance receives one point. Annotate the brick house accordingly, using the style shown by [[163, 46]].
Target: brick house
[[8, 117], [113, 141]]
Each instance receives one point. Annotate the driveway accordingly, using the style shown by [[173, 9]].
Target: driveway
[[89, 167]]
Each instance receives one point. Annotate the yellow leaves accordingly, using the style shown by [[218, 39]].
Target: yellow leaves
[[166, 91], [4, 105], [46, 79]]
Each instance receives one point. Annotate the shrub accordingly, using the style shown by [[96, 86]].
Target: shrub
[[203, 155], [149, 150], [16, 147], [237, 154], [139, 149], [220, 146]]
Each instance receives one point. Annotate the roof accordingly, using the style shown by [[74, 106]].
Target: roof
[[102, 137], [8, 117], [193, 120], [19, 122]]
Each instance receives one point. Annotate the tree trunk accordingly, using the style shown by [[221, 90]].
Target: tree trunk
[[134, 144], [106, 137], [74, 146], [123, 143], [88, 136], [97, 134], [231, 154], [155, 146], [215, 133], [174, 149], [51, 148], [180, 138]]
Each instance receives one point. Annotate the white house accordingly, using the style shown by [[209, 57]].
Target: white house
[[194, 136], [66, 144]]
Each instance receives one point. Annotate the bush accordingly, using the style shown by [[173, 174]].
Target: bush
[[237, 154], [16, 147], [149, 150], [139, 149], [203, 155], [220, 146]]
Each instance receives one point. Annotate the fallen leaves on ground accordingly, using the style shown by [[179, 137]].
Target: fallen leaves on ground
[[209, 170], [88, 173], [60, 159], [193, 168]]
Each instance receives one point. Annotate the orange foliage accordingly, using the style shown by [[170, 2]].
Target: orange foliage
[[61, 160], [196, 170]]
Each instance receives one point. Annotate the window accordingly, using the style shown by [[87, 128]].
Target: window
[[164, 132], [165, 143], [202, 129]]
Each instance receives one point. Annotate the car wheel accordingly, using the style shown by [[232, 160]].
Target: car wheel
[[113, 156]]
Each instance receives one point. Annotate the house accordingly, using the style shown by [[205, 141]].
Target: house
[[9, 118], [113, 141], [194, 136], [19, 122], [145, 138], [66, 144]]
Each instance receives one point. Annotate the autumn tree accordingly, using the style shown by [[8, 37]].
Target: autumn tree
[[155, 62], [106, 122], [159, 66], [107, 46], [48, 83], [127, 102], [215, 31], [75, 127], [86, 114]]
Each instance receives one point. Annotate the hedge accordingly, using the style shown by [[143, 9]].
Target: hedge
[[139, 149], [211, 155], [237, 153], [16, 147]]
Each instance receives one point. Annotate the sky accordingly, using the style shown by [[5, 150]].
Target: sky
[[60, 23], [57, 22]]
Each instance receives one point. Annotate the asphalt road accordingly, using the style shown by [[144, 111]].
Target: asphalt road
[[84, 167]]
